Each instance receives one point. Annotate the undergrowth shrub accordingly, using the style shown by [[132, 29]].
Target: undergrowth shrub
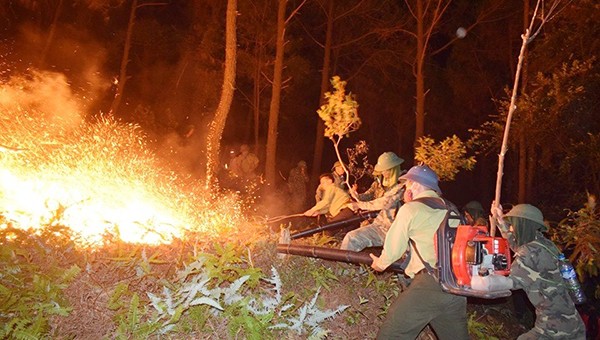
[[32, 280]]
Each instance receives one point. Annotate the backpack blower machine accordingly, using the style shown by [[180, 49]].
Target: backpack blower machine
[[462, 251]]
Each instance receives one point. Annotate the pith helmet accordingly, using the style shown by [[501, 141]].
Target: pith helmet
[[387, 160], [529, 212], [423, 175], [335, 165], [302, 164], [473, 206]]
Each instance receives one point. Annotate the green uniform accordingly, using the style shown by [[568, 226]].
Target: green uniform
[[535, 270], [297, 181], [373, 235], [423, 302], [334, 199]]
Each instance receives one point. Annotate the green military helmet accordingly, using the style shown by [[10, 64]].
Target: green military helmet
[[387, 160], [529, 212]]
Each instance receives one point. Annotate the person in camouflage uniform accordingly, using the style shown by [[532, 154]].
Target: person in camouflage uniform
[[296, 183], [535, 269], [474, 214], [390, 200]]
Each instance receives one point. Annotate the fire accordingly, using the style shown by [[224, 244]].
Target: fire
[[97, 178]]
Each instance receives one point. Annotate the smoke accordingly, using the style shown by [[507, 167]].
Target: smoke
[[46, 93], [72, 52]]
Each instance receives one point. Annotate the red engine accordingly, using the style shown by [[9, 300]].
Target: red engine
[[474, 252]]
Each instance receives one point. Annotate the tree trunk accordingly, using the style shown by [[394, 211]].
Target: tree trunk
[[420, 86], [270, 164], [213, 141], [259, 54], [531, 170], [124, 61], [521, 197], [51, 34], [523, 149], [318, 153]]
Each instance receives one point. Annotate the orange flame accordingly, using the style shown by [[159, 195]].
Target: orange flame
[[97, 178]]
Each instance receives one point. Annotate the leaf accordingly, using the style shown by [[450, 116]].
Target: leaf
[[206, 301]]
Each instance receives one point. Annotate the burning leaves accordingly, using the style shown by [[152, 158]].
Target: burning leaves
[[98, 178]]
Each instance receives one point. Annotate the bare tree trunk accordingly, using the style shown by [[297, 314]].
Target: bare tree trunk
[[51, 34], [270, 164], [420, 81], [318, 153], [530, 176], [213, 141], [522, 173], [523, 149], [258, 54], [124, 61]]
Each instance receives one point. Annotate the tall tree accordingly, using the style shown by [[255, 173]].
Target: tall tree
[[427, 15], [114, 107], [124, 61], [51, 33], [257, 30], [213, 141], [270, 163], [318, 153]]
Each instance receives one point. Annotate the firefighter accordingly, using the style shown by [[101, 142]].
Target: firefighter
[[339, 179], [535, 270], [474, 214], [245, 164], [424, 301], [333, 203], [296, 184], [388, 200]]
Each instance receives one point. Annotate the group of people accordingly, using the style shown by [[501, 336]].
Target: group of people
[[405, 224]]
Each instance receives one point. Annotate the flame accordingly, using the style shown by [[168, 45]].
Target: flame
[[98, 178]]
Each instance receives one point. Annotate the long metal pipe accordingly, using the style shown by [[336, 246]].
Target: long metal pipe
[[332, 254], [335, 225]]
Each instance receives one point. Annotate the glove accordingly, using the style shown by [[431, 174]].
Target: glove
[[491, 283]]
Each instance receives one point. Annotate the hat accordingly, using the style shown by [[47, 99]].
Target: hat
[[529, 212], [387, 160], [473, 206], [302, 164], [335, 165], [423, 175]]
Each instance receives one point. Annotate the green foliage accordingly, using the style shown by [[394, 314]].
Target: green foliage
[[579, 233], [481, 330], [131, 323], [446, 158], [323, 275], [29, 293], [340, 113]]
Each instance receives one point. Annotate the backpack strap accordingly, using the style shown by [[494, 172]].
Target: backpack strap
[[438, 204]]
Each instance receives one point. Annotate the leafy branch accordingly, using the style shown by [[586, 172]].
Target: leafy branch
[[445, 158], [340, 116]]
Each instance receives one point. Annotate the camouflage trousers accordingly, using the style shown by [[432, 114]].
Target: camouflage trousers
[[537, 333], [372, 235]]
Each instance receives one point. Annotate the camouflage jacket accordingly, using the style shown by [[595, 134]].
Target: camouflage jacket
[[389, 204], [535, 270]]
